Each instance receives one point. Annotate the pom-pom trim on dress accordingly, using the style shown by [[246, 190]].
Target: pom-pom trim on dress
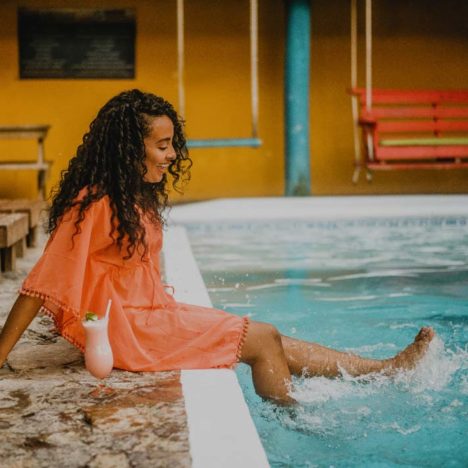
[[58, 325]]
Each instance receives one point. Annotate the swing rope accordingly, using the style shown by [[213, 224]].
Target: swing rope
[[180, 57], [254, 65], [254, 141]]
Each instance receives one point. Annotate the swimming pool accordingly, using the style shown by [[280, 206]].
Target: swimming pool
[[364, 285]]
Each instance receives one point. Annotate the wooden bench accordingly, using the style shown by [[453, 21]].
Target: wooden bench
[[38, 132], [32, 208], [14, 228], [414, 129]]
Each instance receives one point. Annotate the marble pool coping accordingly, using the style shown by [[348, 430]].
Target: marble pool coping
[[221, 431]]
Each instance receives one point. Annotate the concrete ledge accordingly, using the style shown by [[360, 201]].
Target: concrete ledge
[[221, 430]]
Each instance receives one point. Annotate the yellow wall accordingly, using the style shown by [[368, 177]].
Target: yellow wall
[[218, 90]]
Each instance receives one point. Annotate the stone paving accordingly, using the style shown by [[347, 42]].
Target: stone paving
[[53, 413]]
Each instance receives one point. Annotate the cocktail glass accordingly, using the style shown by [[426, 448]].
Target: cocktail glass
[[99, 359]]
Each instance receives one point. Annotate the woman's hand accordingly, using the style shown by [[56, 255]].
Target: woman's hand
[[23, 311]]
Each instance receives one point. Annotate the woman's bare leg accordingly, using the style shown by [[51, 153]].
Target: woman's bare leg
[[263, 351], [315, 359], [274, 357]]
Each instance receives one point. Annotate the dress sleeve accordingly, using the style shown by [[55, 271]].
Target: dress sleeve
[[62, 274]]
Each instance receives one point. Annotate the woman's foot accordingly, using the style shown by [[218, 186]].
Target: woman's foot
[[412, 354]]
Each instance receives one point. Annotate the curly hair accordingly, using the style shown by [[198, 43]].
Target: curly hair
[[111, 161]]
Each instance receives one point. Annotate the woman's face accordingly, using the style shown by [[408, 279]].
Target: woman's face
[[159, 152]]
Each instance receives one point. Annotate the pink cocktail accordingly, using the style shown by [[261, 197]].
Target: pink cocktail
[[99, 359]]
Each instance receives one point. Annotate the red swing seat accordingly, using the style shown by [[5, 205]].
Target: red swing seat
[[414, 129]]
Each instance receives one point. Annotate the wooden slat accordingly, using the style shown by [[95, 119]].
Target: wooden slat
[[418, 165], [416, 112], [24, 165], [420, 152], [24, 131], [416, 141], [32, 208], [395, 96], [13, 227], [13, 230], [410, 126], [416, 98]]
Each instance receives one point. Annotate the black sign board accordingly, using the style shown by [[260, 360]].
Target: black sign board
[[76, 43]]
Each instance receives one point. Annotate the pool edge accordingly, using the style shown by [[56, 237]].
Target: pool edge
[[221, 430], [324, 208]]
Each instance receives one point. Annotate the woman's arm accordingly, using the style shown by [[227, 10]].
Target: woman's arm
[[23, 311]]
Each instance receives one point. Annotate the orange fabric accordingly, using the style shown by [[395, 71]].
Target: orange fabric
[[148, 329]]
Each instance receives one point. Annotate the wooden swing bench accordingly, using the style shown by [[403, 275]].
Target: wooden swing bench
[[40, 165], [32, 208], [414, 129], [13, 233]]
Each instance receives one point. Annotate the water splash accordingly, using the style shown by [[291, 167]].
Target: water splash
[[435, 370], [325, 404]]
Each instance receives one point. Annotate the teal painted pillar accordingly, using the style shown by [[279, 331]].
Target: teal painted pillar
[[297, 85]]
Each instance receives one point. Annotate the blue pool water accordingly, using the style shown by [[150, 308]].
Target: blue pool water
[[365, 287]]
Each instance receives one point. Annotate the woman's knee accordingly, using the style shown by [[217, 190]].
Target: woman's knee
[[262, 338], [271, 333]]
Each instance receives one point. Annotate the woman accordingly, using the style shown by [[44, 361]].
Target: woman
[[106, 224]]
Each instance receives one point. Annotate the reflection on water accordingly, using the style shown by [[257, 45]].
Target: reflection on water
[[365, 289]]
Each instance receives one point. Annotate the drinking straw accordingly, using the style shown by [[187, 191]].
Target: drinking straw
[[108, 308]]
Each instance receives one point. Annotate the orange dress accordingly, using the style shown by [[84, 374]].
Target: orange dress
[[148, 329]]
